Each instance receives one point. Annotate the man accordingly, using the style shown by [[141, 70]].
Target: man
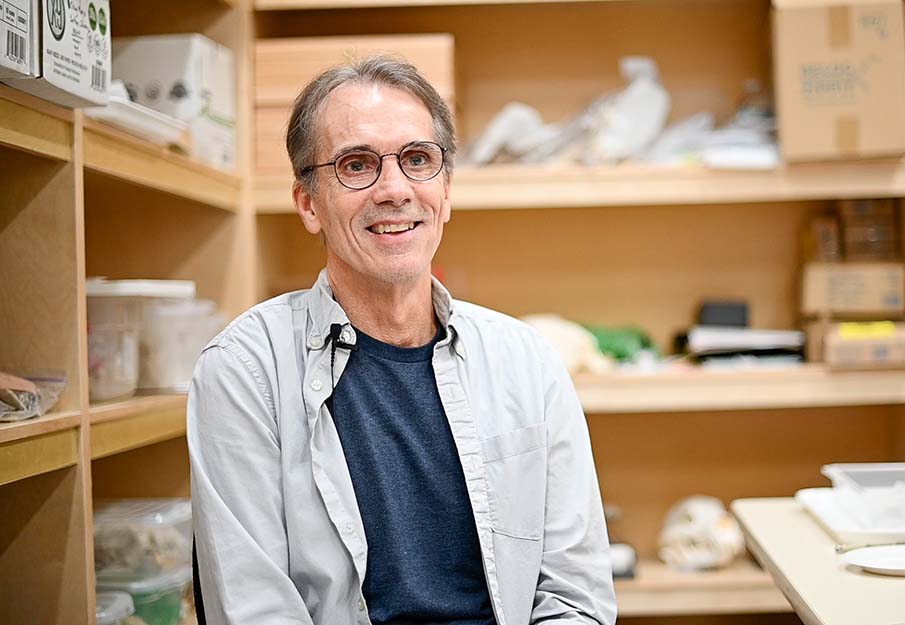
[[371, 450]]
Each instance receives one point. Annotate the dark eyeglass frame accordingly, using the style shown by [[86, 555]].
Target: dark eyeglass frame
[[306, 170]]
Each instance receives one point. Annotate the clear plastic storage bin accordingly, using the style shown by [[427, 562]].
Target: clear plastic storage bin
[[113, 607], [114, 327], [140, 537], [159, 599], [872, 493], [173, 334]]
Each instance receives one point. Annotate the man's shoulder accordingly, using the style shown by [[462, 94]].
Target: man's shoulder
[[492, 323], [255, 328]]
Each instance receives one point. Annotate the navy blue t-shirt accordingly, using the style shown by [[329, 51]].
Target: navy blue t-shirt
[[424, 560]]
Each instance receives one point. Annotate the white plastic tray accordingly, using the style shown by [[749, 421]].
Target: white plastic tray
[[846, 526]]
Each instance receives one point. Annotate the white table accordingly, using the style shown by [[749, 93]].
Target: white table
[[801, 557]]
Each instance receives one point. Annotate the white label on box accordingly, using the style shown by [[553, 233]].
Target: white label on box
[[16, 36]]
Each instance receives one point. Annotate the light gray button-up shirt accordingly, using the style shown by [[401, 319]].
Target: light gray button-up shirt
[[279, 535]]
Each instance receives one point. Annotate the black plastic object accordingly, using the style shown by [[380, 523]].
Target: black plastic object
[[723, 313], [196, 587]]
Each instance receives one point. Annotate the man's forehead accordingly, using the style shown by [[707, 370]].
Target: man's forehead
[[373, 115]]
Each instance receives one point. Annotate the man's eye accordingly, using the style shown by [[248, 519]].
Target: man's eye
[[418, 159], [357, 164]]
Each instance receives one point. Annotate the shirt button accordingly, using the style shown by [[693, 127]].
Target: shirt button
[[316, 385], [345, 336], [349, 526], [315, 341], [361, 604]]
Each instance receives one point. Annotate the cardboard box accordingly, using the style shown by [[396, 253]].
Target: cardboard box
[[189, 77], [284, 66], [19, 38], [839, 78], [878, 344], [73, 55], [853, 288]]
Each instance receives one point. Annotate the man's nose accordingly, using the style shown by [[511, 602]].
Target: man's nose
[[392, 185]]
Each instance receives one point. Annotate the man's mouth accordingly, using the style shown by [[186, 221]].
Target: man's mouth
[[393, 228]]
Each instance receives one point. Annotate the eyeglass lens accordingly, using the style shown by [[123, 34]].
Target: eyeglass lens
[[419, 161]]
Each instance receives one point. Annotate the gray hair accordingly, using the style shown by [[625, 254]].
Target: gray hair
[[303, 136]]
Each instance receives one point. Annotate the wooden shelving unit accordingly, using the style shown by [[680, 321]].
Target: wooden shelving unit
[[301, 5], [696, 390], [136, 422], [36, 446], [658, 590], [30, 124], [114, 153], [83, 198], [531, 187]]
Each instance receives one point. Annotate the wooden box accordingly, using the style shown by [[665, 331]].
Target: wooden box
[[284, 66]]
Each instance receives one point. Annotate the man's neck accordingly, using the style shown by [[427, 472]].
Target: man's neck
[[400, 314]]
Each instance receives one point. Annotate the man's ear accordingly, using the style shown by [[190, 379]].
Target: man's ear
[[304, 206], [446, 211]]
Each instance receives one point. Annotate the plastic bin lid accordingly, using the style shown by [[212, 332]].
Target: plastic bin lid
[[101, 287], [173, 579], [142, 512], [113, 607], [865, 474]]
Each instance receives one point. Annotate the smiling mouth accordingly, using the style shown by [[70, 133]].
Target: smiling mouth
[[393, 228]]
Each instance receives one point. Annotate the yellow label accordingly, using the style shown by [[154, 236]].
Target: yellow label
[[867, 329]]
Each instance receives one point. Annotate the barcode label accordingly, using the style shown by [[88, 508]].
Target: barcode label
[[15, 47], [98, 78]]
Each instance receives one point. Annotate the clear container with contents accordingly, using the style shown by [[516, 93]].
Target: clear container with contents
[[140, 537], [113, 608], [114, 329], [159, 599], [172, 336]]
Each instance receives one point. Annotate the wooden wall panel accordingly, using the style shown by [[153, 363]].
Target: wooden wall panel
[[648, 462]]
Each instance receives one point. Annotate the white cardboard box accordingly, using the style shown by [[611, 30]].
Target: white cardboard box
[[19, 38], [190, 78], [73, 55]]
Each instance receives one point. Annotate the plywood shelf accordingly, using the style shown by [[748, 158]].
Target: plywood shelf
[[33, 125], [114, 153], [519, 187], [136, 422], [36, 446], [658, 590], [283, 5], [702, 390]]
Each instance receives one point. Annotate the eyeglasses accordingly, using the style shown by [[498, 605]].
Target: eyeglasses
[[359, 169]]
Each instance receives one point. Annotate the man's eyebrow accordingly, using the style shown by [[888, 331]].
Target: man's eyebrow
[[354, 148]]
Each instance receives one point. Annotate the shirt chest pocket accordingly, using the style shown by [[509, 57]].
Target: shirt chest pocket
[[516, 467]]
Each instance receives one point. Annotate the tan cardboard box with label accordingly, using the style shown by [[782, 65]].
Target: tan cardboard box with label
[[839, 74], [853, 289], [878, 344]]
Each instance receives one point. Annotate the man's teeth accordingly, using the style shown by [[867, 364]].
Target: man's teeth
[[384, 228]]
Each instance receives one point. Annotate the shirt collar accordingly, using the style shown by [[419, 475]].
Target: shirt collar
[[325, 311]]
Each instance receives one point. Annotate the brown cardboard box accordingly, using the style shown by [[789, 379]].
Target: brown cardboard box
[[865, 345], [853, 288], [839, 74], [284, 66]]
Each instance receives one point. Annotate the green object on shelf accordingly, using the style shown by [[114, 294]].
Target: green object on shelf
[[158, 598], [623, 344]]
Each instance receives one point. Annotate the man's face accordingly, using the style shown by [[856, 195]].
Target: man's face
[[381, 119]]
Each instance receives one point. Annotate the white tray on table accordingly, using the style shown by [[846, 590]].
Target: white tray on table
[[828, 507]]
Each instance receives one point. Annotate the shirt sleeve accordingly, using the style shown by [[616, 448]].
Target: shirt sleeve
[[575, 585], [237, 501]]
